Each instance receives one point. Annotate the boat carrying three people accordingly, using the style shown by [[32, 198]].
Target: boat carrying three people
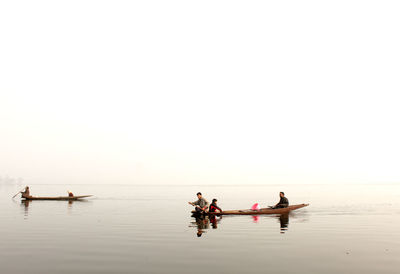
[[202, 206]]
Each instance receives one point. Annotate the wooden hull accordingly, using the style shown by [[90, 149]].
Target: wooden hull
[[61, 198], [258, 212]]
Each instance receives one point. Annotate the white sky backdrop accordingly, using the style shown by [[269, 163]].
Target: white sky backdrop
[[200, 92]]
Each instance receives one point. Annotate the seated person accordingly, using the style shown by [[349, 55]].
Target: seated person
[[283, 202], [26, 192], [214, 207], [201, 204], [70, 194]]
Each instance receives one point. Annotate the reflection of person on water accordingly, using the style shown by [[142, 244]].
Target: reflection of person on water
[[214, 221], [201, 204], [25, 203], [26, 192], [283, 202], [214, 207], [202, 224], [284, 220]]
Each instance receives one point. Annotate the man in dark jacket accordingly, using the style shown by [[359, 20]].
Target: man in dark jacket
[[283, 202]]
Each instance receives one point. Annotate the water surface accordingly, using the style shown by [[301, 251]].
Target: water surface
[[149, 229]]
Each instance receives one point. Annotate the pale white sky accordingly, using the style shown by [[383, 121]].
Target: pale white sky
[[200, 92]]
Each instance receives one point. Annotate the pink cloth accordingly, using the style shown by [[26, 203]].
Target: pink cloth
[[255, 207]]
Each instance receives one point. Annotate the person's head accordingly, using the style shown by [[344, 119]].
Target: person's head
[[199, 195], [27, 187], [214, 201], [281, 194]]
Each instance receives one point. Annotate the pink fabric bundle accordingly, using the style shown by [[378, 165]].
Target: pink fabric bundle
[[255, 207]]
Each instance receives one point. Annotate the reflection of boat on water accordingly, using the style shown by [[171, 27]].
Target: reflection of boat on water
[[26, 204], [282, 218], [258, 212], [203, 222]]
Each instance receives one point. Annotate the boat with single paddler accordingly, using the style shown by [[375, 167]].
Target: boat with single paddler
[[257, 212]]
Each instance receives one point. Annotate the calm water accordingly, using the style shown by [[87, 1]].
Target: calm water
[[148, 229]]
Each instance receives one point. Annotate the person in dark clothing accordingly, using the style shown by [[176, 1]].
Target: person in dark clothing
[[214, 207], [283, 202]]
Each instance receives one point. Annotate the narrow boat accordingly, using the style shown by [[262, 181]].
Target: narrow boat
[[257, 212], [60, 198]]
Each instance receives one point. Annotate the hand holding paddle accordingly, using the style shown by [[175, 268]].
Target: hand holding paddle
[[17, 194]]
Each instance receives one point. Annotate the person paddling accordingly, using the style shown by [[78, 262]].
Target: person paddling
[[214, 207], [283, 202], [201, 204], [26, 192]]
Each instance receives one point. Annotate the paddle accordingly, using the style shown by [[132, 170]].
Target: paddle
[[17, 193], [190, 203]]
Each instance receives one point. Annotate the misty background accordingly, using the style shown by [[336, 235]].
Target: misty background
[[189, 92]]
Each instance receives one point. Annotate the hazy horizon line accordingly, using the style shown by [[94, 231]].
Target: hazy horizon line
[[206, 185]]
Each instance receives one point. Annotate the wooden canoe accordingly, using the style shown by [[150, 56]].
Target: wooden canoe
[[257, 212], [60, 198]]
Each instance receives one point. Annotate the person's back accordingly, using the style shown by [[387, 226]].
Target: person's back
[[26, 192], [284, 202], [214, 207]]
